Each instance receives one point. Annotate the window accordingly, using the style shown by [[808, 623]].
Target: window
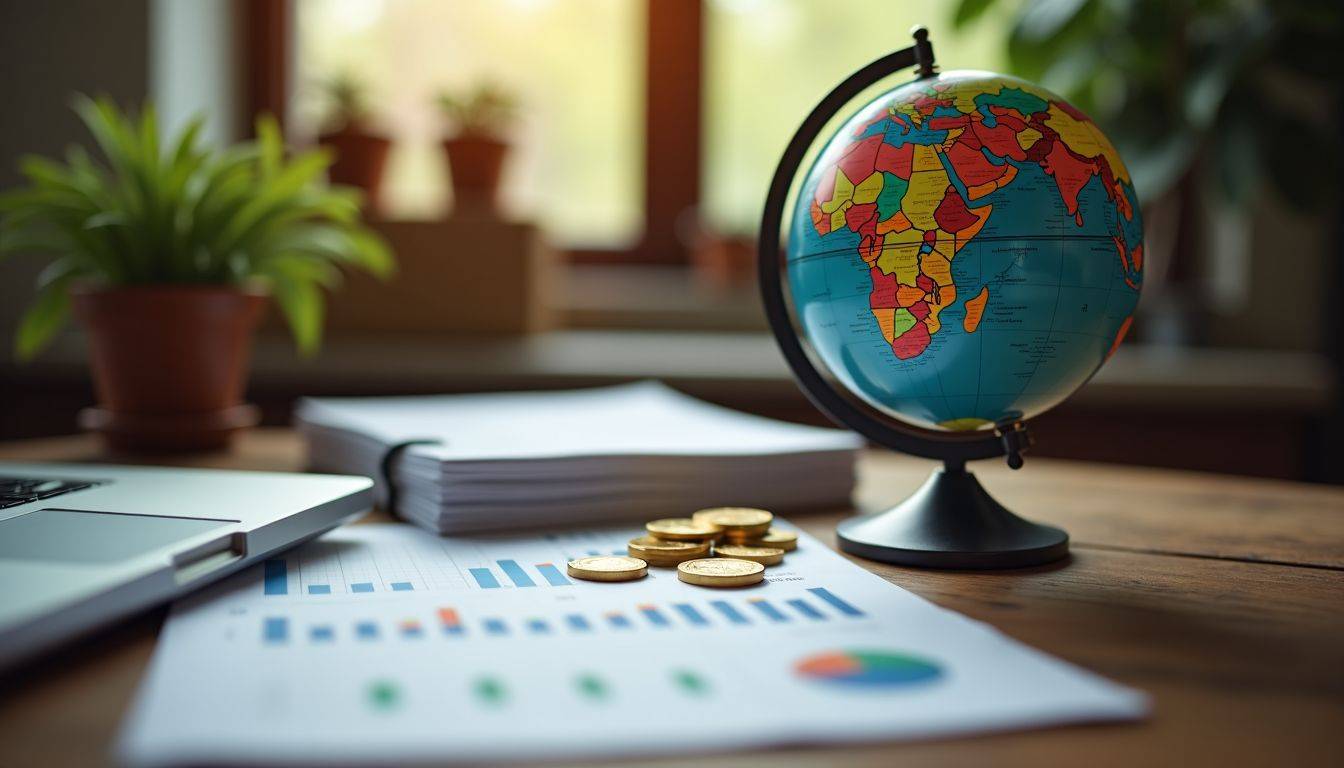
[[768, 63], [582, 70], [576, 67]]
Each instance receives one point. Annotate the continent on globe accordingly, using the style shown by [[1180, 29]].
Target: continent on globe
[[966, 250], [912, 200]]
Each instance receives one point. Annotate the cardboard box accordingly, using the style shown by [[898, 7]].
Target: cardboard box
[[474, 275]]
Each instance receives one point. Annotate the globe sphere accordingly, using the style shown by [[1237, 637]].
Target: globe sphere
[[965, 251]]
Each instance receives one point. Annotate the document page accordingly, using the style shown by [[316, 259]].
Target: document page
[[388, 644]]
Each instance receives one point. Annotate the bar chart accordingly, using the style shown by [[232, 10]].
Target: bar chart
[[816, 605], [331, 568]]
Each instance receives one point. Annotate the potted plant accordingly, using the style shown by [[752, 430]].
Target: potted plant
[[361, 152], [167, 255], [478, 145]]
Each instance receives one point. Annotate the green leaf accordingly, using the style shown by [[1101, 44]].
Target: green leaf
[[106, 219], [271, 144], [47, 314], [1043, 19], [302, 305], [968, 11], [300, 267], [373, 254], [275, 193]]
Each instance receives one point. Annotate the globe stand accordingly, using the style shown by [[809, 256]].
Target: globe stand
[[950, 522]]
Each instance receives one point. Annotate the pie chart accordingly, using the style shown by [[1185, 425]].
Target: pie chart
[[868, 669]]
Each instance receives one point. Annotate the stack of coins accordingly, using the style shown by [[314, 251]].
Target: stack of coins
[[720, 547], [666, 554]]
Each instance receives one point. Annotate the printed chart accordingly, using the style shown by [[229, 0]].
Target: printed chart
[[388, 644]]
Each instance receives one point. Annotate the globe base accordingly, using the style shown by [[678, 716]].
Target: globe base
[[952, 522]]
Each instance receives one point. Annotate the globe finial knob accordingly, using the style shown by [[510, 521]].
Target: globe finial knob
[[923, 50]]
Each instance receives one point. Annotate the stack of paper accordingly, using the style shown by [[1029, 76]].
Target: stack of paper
[[625, 452]]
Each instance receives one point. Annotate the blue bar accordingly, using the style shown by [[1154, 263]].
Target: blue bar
[[688, 611], [496, 627], [553, 575], [362, 586], [275, 631], [275, 579], [577, 623], [322, 633], [538, 627], [803, 607], [729, 612], [402, 586], [485, 578], [412, 629], [618, 621], [594, 552], [621, 552], [771, 612], [655, 616], [319, 589], [366, 630], [835, 602], [516, 573]]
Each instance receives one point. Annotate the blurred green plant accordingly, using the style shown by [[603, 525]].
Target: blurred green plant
[[183, 214], [485, 110], [345, 102], [1223, 93]]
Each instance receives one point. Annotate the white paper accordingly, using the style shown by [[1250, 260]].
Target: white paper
[[645, 419], [514, 460], [384, 648]]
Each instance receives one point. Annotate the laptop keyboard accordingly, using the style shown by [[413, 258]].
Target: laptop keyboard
[[21, 490]]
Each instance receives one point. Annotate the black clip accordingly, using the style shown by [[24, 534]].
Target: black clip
[[1016, 440], [385, 468]]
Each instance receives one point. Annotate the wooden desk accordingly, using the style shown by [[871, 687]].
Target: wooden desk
[[1223, 598]]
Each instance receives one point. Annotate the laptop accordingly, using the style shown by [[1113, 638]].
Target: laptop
[[83, 545]]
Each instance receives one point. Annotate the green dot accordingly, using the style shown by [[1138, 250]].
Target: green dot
[[384, 694], [491, 691], [690, 682], [592, 687]]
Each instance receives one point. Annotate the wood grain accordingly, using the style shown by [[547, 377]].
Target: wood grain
[[1219, 597]]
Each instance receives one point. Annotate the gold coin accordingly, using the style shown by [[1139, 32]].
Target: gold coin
[[736, 522], [665, 554], [608, 568], [720, 572], [681, 529], [656, 546], [775, 537], [762, 555]]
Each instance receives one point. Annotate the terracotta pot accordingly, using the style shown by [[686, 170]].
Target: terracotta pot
[[169, 363], [475, 164], [360, 159]]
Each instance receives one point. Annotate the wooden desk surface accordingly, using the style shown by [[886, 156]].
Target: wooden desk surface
[[1223, 598]]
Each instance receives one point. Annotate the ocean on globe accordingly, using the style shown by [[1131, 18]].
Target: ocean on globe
[[966, 250]]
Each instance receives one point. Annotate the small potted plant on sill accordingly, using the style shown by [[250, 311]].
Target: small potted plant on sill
[[360, 152], [478, 144], [167, 256]]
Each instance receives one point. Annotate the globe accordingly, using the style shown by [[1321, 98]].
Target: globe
[[966, 251]]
